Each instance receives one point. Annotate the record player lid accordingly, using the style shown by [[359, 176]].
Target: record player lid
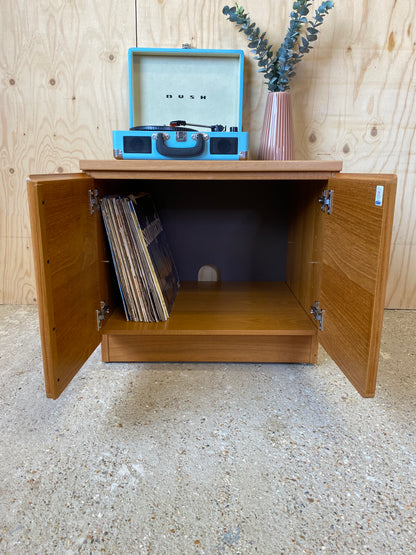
[[188, 84]]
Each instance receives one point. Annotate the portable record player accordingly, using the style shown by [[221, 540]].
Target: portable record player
[[184, 104]]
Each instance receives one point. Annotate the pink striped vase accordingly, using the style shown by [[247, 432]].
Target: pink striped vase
[[276, 142]]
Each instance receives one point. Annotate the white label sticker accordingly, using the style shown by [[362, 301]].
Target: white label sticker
[[379, 195]]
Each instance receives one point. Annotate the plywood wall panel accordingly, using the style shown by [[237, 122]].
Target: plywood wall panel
[[353, 96], [368, 118], [63, 89]]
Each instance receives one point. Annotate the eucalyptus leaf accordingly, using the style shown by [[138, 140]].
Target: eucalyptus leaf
[[278, 68]]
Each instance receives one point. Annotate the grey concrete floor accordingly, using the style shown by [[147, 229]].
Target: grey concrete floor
[[206, 458]]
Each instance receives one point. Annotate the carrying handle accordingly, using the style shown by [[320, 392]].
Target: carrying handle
[[172, 152]]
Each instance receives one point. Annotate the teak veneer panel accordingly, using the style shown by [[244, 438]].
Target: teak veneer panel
[[355, 256], [341, 258], [212, 348], [229, 321], [304, 244], [65, 239], [206, 170], [224, 308]]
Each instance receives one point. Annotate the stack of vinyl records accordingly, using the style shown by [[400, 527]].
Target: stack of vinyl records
[[145, 269]]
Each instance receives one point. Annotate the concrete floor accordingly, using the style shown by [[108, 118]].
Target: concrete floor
[[206, 458]]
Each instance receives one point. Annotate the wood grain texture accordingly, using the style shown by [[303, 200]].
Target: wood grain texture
[[359, 105], [63, 89], [227, 308], [356, 246], [68, 274], [353, 96], [233, 321], [207, 170], [214, 348], [304, 247]]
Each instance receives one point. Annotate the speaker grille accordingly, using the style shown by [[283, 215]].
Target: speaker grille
[[137, 145], [223, 145]]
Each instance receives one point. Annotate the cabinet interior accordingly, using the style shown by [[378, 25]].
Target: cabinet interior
[[241, 227], [264, 238]]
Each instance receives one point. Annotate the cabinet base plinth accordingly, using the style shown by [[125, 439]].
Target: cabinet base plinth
[[197, 348], [218, 322]]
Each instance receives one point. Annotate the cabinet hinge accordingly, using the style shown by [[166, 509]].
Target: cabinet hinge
[[94, 201], [318, 314], [326, 201], [101, 314]]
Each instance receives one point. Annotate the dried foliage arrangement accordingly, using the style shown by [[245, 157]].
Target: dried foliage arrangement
[[279, 67]]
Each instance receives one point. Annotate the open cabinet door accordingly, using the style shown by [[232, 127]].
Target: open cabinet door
[[65, 237], [355, 259]]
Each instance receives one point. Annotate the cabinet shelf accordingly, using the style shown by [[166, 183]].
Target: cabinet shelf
[[230, 308], [234, 321]]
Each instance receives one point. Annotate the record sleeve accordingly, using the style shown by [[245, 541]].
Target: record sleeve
[[146, 273]]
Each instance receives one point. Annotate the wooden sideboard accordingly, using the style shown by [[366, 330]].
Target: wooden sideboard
[[303, 251]]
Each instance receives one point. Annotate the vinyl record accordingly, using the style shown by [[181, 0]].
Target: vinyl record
[[170, 128]]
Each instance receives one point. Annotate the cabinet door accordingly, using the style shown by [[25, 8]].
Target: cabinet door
[[65, 238], [355, 259]]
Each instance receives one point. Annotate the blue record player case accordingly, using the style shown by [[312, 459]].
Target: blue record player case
[[184, 104]]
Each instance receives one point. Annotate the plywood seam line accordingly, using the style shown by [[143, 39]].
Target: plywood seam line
[[135, 22]]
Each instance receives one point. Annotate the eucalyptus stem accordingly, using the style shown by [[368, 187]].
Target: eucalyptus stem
[[279, 67]]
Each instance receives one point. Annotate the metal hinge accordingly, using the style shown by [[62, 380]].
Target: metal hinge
[[101, 314], [94, 201], [318, 314], [326, 200]]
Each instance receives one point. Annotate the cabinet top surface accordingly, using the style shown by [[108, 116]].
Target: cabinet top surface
[[311, 169]]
